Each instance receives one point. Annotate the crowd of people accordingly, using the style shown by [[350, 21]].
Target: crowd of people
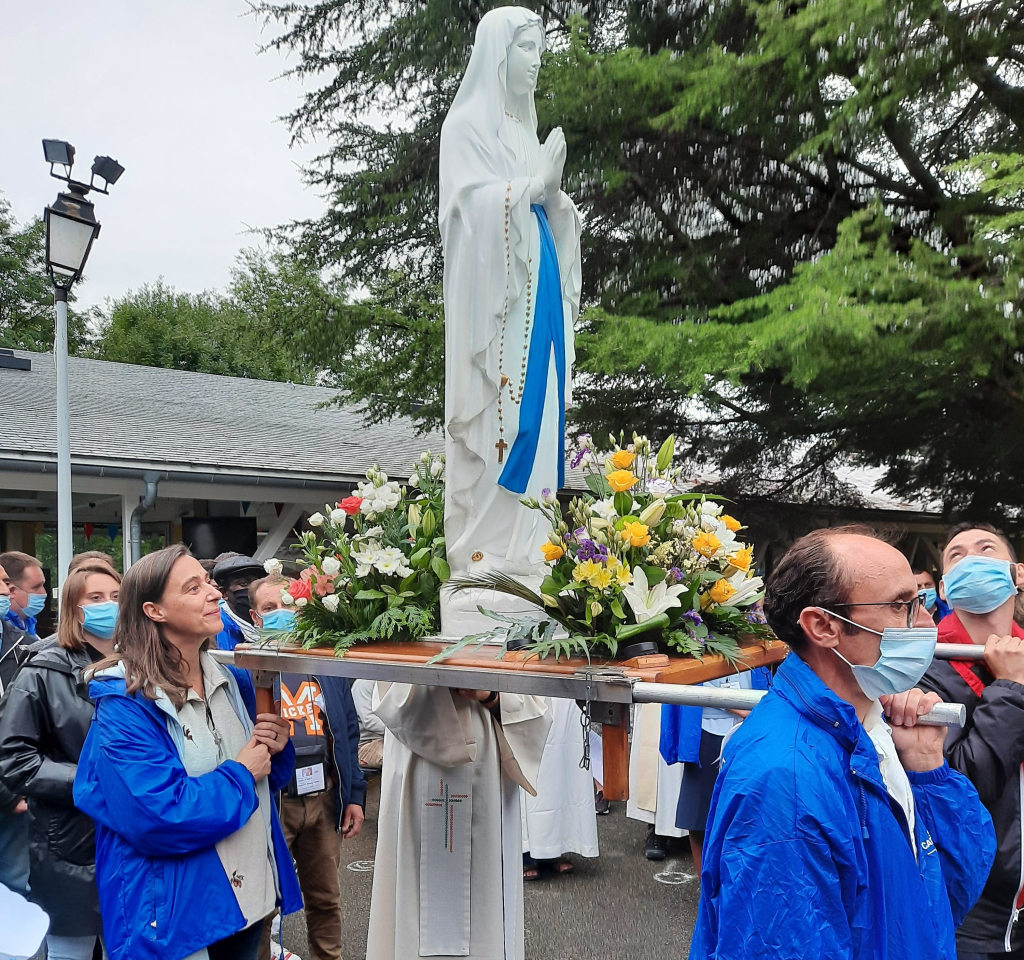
[[152, 812]]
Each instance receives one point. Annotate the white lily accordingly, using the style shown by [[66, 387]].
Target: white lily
[[746, 589], [648, 602]]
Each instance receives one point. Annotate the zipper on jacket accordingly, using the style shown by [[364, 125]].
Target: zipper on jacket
[[1016, 907]]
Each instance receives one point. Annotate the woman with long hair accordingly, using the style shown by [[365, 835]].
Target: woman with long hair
[[177, 772], [46, 717]]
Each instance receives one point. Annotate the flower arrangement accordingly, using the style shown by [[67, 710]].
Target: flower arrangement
[[375, 562], [635, 560]]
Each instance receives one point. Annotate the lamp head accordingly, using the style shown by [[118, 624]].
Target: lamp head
[[107, 169]]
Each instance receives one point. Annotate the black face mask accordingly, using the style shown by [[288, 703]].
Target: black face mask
[[240, 603]]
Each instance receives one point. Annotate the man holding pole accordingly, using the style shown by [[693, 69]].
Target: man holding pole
[[980, 577], [830, 833]]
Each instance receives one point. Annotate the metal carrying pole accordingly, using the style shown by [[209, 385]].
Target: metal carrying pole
[[942, 714], [959, 651]]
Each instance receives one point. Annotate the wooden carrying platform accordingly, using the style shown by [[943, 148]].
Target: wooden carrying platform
[[606, 684]]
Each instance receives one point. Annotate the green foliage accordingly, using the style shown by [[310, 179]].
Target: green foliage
[[713, 148], [245, 334]]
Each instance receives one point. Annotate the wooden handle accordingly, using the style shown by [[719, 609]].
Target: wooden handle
[[615, 751], [265, 700]]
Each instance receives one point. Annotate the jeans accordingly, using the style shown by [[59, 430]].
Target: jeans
[[14, 851], [70, 948], [239, 946]]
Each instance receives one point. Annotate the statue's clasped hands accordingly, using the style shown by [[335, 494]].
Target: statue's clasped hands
[[548, 182]]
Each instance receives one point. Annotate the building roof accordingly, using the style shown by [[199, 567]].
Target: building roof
[[138, 418]]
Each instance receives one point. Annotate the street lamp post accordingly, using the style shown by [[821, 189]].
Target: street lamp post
[[71, 228]]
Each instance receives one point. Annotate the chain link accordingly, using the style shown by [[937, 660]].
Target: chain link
[[586, 724]]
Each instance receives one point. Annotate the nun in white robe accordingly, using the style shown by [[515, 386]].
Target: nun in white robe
[[508, 373]]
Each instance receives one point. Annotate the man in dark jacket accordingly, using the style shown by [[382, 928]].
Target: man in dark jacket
[[328, 791], [233, 575], [980, 577], [832, 835]]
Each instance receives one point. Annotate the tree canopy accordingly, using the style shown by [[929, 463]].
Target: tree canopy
[[714, 148]]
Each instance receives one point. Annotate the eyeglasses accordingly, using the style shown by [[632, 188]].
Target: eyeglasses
[[912, 606]]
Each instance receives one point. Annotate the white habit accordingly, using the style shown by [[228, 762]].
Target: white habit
[[448, 878], [561, 818], [653, 784]]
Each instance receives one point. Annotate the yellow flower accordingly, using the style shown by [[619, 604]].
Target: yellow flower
[[623, 577], [721, 590], [585, 570], [742, 559], [622, 459], [706, 544], [622, 480], [731, 522], [601, 579], [635, 534], [552, 552]]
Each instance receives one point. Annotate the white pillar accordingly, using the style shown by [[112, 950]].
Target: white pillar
[[64, 519]]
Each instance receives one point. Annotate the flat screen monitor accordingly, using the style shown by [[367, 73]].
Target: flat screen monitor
[[216, 535]]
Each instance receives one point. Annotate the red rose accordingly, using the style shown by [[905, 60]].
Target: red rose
[[299, 589], [351, 505]]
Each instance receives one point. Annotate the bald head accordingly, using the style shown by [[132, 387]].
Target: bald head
[[831, 568]]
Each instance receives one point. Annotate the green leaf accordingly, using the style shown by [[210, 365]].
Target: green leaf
[[369, 595], [623, 503], [440, 567], [420, 558], [599, 485]]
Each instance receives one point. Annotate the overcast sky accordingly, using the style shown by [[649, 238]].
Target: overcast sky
[[176, 92]]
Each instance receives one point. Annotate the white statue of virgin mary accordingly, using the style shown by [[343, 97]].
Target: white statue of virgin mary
[[511, 241]]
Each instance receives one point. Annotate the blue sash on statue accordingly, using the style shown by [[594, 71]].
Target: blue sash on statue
[[548, 332]]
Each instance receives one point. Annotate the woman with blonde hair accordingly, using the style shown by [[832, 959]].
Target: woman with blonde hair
[[45, 720], [178, 771]]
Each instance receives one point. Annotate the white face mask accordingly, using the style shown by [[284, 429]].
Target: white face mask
[[904, 656]]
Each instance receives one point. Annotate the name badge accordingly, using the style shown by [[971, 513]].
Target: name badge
[[309, 779]]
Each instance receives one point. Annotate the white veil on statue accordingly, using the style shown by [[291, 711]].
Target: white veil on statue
[[486, 165]]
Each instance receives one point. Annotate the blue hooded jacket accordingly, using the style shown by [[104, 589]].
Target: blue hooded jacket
[[806, 856], [163, 891]]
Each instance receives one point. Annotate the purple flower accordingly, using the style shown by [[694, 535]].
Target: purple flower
[[588, 550], [576, 460], [695, 618], [675, 575]]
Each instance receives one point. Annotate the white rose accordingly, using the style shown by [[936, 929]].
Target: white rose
[[366, 507], [379, 506], [273, 567], [435, 468], [338, 516], [331, 566], [301, 602], [362, 570], [286, 598], [316, 520], [331, 601], [382, 477], [414, 479]]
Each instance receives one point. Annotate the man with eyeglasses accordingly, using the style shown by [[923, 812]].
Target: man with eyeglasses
[[980, 574], [832, 834]]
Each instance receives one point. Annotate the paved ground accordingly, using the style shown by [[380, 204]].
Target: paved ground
[[611, 908]]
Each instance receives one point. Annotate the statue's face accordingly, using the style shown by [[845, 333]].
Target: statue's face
[[523, 63]]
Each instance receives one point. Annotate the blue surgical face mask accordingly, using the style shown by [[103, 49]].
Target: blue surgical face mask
[[5, 606], [904, 655], [931, 597], [979, 584], [36, 602], [279, 620], [100, 619]]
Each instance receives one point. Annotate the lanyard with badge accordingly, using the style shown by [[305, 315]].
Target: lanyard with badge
[[300, 707]]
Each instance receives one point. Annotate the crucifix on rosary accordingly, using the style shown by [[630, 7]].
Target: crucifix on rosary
[[501, 447]]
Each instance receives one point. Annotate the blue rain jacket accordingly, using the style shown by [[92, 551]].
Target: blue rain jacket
[[807, 857], [231, 634], [680, 726], [163, 891]]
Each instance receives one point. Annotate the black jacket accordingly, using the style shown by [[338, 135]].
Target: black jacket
[[989, 751], [46, 716]]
